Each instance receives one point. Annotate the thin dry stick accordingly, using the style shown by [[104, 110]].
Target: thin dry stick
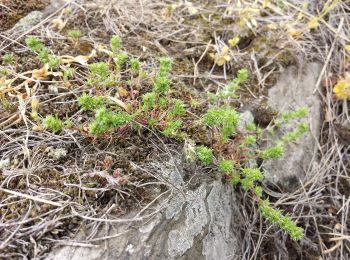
[[329, 56], [22, 195]]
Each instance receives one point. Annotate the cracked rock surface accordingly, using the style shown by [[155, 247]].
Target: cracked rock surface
[[197, 223]]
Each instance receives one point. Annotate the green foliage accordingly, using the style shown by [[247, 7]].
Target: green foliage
[[75, 34], [68, 73], [34, 43], [53, 123], [8, 58], [242, 76], [160, 110], [205, 155], [226, 166], [99, 70], [163, 102], [225, 118], [172, 127], [275, 216], [286, 117], [134, 65], [178, 108], [106, 120], [44, 55], [251, 175], [229, 90], [120, 59], [53, 61], [250, 127], [88, 102], [235, 178], [272, 152], [100, 75], [162, 81], [296, 134], [249, 140], [162, 84], [149, 100], [115, 44]]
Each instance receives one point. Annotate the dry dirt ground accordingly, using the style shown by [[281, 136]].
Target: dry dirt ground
[[74, 185]]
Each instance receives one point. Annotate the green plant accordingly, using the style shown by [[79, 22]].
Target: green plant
[[100, 75], [178, 108], [120, 59], [272, 152], [275, 216], [226, 166], [158, 108], [162, 81], [8, 58], [149, 100], [53, 61], [75, 34], [53, 123], [88, 102], [205, 155], [134, 66], [115, 44], [99, 70], [106, 120], [172, 128], [229, 90], [225, 119], [68, 73], [34, 43]]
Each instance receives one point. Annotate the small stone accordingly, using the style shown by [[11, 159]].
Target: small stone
[[27, 22], [53, 89], [245, 118]]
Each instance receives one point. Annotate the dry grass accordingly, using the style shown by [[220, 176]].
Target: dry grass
[[44, 201]]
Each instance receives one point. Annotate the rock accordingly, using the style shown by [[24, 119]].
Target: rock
[[293, 90], [35, 17], [245, 118], [200, 223], [27, 22]]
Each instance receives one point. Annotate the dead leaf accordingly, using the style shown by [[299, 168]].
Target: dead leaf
[[81, 59], [120, 103], [43, 73], [222, 57]]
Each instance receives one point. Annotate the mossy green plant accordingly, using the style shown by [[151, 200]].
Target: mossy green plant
[[159, 107], [53, 123], [205, 155]]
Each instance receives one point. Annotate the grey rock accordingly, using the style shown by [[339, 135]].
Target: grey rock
[[35, 17], [245, 118], [197, 223], [295, 89], [27, 22]]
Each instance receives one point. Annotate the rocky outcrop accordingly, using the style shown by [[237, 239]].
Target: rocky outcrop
[[295, 89], [199, 223]]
